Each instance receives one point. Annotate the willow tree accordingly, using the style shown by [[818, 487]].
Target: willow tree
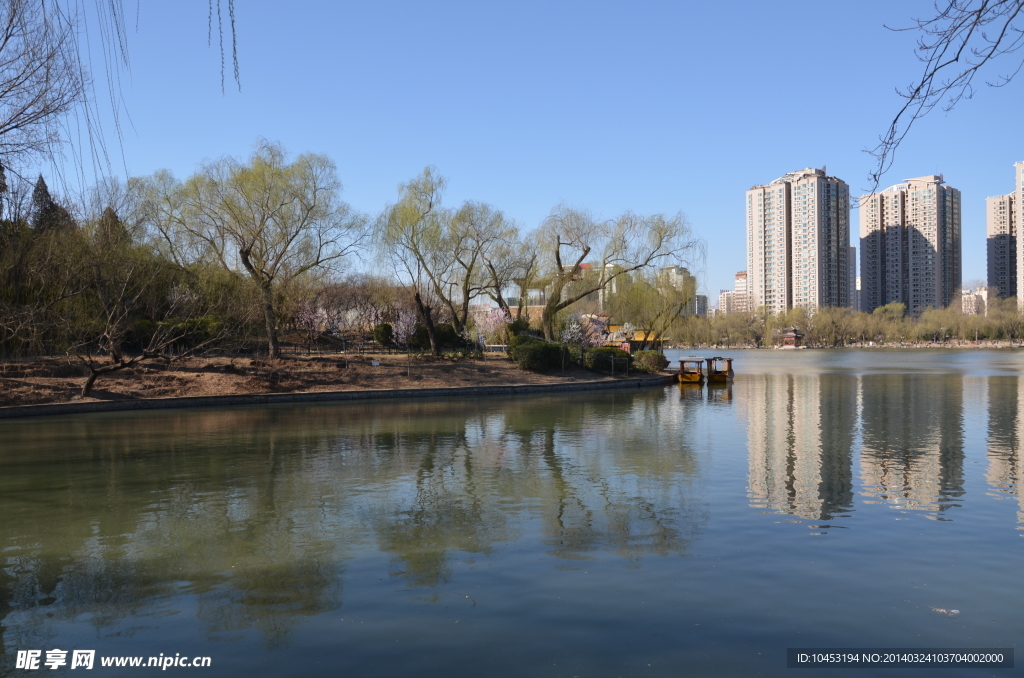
[[447, 257], [582, 256], [275, 220], [409, 235]]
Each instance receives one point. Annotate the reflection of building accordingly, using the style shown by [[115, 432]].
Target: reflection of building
[[912, 455], [799, 437], [798, 242], [910, 245], [1005, 432]]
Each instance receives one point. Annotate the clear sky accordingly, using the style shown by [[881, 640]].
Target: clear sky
[[655, 107]]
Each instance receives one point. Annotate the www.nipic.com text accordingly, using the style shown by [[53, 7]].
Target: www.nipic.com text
[[86, 659]]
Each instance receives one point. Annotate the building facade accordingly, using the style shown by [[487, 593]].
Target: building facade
[[1001, 244], [798, 242], [1018, 214], [910, 245], [726, 302]]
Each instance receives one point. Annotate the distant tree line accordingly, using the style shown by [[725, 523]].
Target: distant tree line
[[834, 327]]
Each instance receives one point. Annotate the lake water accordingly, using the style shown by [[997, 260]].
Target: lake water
[[824, 499]]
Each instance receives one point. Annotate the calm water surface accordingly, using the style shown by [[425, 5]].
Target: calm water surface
[[826, 498]]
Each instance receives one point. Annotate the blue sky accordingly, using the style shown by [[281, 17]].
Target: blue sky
[[656, 107]]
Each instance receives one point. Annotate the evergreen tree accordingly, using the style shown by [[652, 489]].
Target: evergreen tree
[[46, 213]]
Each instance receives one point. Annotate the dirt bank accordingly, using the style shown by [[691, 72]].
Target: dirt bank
[[60, 380]]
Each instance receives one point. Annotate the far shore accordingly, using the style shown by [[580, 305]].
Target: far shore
[[921, 344]]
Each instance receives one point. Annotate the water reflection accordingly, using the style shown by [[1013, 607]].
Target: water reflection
[[254, 514], [913, 441], [800, 432], [1005, 463]]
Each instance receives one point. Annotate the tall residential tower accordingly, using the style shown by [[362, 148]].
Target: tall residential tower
[[910, 245], [1001, 239], [798, 242]]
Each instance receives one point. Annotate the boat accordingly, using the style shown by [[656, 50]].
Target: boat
[[719, 369], [691, 371]]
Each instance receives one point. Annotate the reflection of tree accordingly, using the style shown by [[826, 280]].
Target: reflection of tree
[[446, 512], [1005, 462], [129, 520], [800, 436], [252, 513], [913, 440]]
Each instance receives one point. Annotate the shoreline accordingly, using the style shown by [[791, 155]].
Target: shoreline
[[979, 346], [180, 402]]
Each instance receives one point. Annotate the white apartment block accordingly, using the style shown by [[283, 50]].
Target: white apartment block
[[727, 302], [1001, 244], [1018, 215], [910, 245], [741, 295], [974, 302], [798, 240]]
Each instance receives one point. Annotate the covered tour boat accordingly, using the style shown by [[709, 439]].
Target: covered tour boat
[[719, 369], [691, 371]]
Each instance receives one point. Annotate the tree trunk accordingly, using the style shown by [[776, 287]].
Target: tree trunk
[[87, 386], [95, 372], [273, 347], [548, 321], [428, 322]]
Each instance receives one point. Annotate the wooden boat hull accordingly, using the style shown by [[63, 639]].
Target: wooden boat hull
[[719, 378], [690, 378]]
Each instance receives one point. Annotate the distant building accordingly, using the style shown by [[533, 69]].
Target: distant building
[[741, 293], [1001, 244], [678, 277], [854, 280], [727, 302], [974, 302], [910, 245], [798, 239], [698, 306]]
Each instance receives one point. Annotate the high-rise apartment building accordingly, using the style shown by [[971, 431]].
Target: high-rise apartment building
[[726, 302], [1001, 239], [910, 245], [1018, 219], [854, 280], [741, 295], [798, 240]]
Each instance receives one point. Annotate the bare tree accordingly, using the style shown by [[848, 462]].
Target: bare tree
[[955, 44], [275, 220], [582, 255], [40, 76]]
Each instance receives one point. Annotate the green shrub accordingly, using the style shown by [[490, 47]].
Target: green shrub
[[650, 361], [384, 334], [418, 339], [517, 340], [446, 335], [518, 326], [602, 358], [537, 356]]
